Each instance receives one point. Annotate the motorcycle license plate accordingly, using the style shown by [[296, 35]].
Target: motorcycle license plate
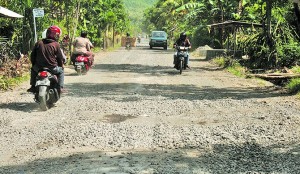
[[79, 63], [42, 82]]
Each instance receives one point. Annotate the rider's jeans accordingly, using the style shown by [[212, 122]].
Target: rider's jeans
[[186, 56], [56, 70]]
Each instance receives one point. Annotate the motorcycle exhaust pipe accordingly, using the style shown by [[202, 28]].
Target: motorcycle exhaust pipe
[[51, 92]]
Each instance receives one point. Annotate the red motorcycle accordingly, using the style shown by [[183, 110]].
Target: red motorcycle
[[82, 64]]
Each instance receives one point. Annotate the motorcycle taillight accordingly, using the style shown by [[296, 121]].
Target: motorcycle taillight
[[43, 74]]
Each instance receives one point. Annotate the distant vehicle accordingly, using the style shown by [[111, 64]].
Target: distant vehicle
[[82, 64], [158, 39]]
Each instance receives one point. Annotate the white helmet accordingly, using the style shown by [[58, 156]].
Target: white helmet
[[44, 34]]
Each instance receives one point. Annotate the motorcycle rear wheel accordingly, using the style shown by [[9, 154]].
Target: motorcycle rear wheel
[[42, 97], [79, 72]]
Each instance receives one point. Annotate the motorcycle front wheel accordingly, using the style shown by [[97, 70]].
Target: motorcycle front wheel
[[42, 97], [180, 66]]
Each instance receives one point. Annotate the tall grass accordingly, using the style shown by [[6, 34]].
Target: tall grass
[[9, 83], [294, 85], [231, 66]]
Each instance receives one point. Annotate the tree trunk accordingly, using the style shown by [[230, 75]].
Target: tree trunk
[[272, 59], [68, 26], [240, 8], [76, 21], [113, 35], [221, 19], [27, 31], [106, 37], [297, 12], [269, 16]]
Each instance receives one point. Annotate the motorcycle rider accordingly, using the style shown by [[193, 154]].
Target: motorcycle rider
[[82, 45], [139, 38], [182, 41], [128, 40], [47, 53]]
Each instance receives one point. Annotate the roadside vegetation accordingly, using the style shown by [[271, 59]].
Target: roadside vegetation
[[14, 72], [231, 65], [135, 10], [272, 46], [106, 21]]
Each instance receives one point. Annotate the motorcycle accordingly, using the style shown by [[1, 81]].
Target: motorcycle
[[128, 47], [82, 64], [47, 89], [128, 43], [181, 58], [139, 39]]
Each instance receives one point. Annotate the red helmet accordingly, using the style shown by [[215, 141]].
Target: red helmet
[[53, 32]]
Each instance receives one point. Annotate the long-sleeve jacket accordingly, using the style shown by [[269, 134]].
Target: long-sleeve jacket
[[185, 43], [46, 53]]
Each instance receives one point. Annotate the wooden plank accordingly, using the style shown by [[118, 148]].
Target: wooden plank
[[275, 76]]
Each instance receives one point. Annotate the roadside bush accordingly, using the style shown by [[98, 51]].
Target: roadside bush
[[283, 50], [232, 66], [8, 83], [294, 85], [14, 72], [236, 69], [295, 69], [221, 61]]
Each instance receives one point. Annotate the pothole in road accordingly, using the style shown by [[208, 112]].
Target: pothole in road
[[117, 118], [208, 122]]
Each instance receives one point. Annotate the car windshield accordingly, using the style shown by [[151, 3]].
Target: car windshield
[[158, 34]]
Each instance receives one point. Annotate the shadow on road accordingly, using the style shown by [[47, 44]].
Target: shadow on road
[[156, 70], [229, 159], [187, 92], [20, 106]]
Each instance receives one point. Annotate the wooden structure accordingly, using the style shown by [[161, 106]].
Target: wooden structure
[[275, 76], [4, 12], [234, 26], [132, 41]]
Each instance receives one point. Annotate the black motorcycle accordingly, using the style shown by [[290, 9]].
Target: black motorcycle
[[47, 89], [180, 59]]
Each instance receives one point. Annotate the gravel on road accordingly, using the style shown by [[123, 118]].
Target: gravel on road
[[134, 113]]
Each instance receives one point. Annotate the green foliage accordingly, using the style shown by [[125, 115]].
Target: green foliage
[[296, 69], [10, 82], [135, 10], [72, 16], [232, 66], [284, 50], [294, 85], [280, 48], [221, 61], [237, 70]]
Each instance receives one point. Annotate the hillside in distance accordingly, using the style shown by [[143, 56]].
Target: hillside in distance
[[136, 10], [137, 7]]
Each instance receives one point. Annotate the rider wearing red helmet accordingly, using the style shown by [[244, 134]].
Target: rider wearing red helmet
[[46, 53]]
